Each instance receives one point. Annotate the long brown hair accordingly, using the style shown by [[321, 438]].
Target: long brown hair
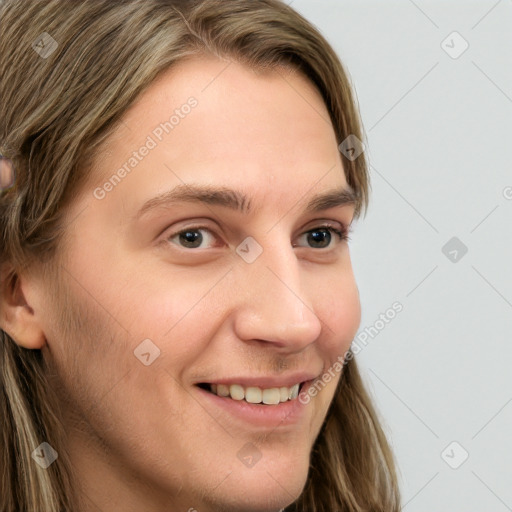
[[69, 71]]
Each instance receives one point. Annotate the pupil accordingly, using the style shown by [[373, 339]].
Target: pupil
[[191, 238], [320, 235]]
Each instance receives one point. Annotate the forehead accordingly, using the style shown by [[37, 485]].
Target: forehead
[[220, 122]]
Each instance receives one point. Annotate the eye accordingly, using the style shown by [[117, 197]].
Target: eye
[[318, 238], [321, 236], [191, 238]]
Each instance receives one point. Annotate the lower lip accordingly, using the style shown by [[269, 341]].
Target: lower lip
[[261, 415]]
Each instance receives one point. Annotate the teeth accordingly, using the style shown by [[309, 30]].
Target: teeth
[[236, 392], [222, 390], [271, 396], [255, 395]]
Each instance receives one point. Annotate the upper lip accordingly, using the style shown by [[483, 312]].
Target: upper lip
[[266, 382]]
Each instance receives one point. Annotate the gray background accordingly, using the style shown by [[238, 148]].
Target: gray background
[[439, 143]]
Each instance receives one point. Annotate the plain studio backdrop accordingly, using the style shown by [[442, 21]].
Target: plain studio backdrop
[[434, 85]]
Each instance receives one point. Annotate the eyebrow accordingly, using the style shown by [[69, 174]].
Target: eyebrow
[[238, 201]]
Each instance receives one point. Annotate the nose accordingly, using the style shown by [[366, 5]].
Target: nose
[[273, 302]]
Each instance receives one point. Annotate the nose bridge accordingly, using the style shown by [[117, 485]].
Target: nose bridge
[[274, 304]]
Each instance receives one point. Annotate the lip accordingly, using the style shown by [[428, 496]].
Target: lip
[[266, 382], [273, 417]]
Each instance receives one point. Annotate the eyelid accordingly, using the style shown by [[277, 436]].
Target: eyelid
[[199, 227], [341, 229]]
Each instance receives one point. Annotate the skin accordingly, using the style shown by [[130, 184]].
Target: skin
[[144, 437]]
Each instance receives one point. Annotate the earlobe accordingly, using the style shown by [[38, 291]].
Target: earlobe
[[17, 318]]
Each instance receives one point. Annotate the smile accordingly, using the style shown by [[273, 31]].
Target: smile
[[269, 405], [254, 394]]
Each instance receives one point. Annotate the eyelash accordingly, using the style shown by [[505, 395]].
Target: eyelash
[[342, 233]]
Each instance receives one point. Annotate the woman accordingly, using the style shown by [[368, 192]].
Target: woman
[[178, 300]]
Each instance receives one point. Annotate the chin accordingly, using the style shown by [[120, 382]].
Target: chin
[[266, 498], [268, 489]]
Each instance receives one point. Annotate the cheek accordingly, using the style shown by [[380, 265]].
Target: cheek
[[166, 305], [177, 312], [338, 306], [339, 309]]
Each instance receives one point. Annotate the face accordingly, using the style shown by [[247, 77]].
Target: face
[[172, 291]]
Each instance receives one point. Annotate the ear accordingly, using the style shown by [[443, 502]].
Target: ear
[[17, 317]]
